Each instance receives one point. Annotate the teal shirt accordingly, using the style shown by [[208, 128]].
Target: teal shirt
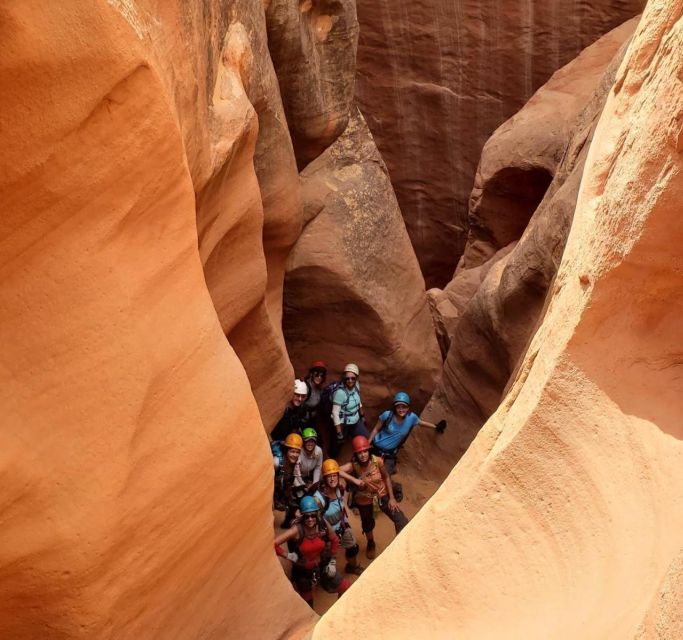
[[349, 402]]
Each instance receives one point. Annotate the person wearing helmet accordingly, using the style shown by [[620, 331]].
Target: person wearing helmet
[[289, 483], [315, 382], [292, 419], [369, 469], [311, 458], [347, 408], [316, 547], [393, 428], [331, 497]]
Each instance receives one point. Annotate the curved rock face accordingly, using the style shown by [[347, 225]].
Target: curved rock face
[[567, 506], [126, 413], [488, 313], [313, 45], [436, 78], [337, 302]]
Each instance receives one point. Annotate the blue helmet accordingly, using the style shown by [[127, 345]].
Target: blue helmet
[[402, 398], [308, 504]]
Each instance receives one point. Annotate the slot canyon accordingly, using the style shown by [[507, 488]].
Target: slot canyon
[[477, 202]]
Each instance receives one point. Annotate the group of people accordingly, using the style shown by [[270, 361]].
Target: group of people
[[312, 488]]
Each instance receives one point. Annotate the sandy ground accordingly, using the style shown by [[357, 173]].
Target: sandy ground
[[416, 492]]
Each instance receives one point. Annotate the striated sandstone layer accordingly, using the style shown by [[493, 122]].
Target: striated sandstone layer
[[354, 291], [126, 413], [436, 78], [563, 519], [488, 313], [313, 46]]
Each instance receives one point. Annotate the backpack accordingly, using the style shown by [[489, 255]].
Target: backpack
[[325, 406]]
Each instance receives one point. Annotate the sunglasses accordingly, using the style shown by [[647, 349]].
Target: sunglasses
[[350, 378], [319, 373], [310, 516]]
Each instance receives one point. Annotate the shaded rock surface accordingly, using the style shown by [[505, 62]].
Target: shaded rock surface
[[436, 78], [489, 332], [567, 505], [353, 290], [313, 46], [126, 413]]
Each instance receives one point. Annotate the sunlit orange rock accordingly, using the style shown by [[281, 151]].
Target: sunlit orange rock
[[489, 311], [128, 507], [563, 519]]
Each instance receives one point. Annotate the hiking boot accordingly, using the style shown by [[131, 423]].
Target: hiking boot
[[353, 569], [370, 550]]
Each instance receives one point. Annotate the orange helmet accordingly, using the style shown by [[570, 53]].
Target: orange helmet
[[318, 364], [294, 441], [360, 443], [330, 467]]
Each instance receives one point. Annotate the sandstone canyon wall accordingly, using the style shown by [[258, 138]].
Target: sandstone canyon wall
[[489, 311], [563, 519], [125, 128], [354, 291], [436, 78]]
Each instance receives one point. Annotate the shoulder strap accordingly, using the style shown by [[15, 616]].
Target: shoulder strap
[[299, 532]]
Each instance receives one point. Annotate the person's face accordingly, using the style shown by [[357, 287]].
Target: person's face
[[363, 456], [309, 445], [318, 376], [332, 480], [297, 399], [349, 379], [309, 519], [292, 454], [401, 409]]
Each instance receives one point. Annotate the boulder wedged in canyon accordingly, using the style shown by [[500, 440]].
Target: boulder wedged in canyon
[[353, 290], [563, 519], [313, 46], [128, 507], [436, 78], [487, 333]]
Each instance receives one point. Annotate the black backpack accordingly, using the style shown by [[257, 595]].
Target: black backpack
[[325, 406]]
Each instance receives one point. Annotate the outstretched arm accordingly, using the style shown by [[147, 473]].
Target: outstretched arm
[[440, 426], [375, 430]]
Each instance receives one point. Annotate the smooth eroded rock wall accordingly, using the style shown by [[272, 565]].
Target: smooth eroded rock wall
[[563, 519], [354, 291], [436, 78], [487, 333], [129, 509]]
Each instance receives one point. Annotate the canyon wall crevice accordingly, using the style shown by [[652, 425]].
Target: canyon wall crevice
[[488, 313], [434, 81]]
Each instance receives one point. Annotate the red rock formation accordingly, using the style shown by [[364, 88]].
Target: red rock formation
[[488, 331], [127, 511], [436, 78], [354, 291], [563, 519], [313, 46]]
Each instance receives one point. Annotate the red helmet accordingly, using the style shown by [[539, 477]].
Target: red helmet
[[360, 443], [317, 364]]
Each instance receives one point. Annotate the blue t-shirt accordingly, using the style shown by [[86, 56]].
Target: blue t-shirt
[[393, 434], [350, 403]]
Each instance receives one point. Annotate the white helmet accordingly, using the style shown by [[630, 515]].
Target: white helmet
[[300, 388], [352, 368]]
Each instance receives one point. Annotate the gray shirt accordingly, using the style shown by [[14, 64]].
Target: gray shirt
[[313, 465]]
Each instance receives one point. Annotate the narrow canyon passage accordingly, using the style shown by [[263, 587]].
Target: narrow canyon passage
[[475, 205]]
